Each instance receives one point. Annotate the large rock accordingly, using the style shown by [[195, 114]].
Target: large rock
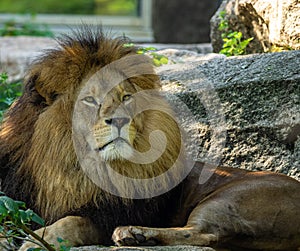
[[269, 22], [242, 111], [16, 53], [159, 248]]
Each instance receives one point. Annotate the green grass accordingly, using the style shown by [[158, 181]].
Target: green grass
[[12, 28], [116, 7], [103, 7], [47, 6]]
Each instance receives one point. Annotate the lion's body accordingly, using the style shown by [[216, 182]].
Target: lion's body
[[39, 164]]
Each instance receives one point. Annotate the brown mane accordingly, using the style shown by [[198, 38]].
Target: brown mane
[[37, 132]]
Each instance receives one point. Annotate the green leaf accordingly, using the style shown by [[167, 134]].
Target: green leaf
[[128, 45], [60, 240], [10, 204], [64, 248], [156, 62], [24, 218], [233, 34], [164, 60], [20, 203], [9, 232], [150, 48], [222, 14], [37, 219], [238, 35], [3, 209], [3, 77], [140, 52]]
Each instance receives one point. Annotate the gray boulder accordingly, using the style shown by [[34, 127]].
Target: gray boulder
[[158, 248], [241, 111], [16, 53]]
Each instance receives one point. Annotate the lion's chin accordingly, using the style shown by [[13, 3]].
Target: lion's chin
[[116, 150]]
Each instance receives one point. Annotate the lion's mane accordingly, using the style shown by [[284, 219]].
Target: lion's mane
[[37, 158]]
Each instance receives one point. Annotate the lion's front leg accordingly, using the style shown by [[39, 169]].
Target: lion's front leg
[[75, 230], [144, 236]]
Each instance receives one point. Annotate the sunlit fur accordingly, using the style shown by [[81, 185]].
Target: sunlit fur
[[37, 132]]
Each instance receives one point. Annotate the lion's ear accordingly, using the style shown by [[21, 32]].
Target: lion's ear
[[30, 88], [38, 94], [49, 96]]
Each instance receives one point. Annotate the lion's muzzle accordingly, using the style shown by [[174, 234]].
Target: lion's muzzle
[[114, 137], [117, 122]]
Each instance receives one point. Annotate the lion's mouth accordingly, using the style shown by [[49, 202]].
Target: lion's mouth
[[114, 141]]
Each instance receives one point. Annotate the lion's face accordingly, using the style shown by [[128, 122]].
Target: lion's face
[[114, 130], [125, 133], [115, 118]]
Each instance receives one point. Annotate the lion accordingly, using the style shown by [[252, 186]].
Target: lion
[[95, 149]]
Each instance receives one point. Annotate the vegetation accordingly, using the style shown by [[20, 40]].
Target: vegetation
[[276, 48], [12, 28], [234, 44], [48, 6], [158, 59], [103, 7], [15, 221], [8, 93], [116, 7]]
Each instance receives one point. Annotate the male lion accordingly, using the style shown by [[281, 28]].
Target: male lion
[[94, 149]]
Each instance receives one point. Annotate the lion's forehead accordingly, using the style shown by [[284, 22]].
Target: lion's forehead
[[103, 91]]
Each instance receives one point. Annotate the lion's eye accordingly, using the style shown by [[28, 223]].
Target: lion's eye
[[126, 97], [90, 100]]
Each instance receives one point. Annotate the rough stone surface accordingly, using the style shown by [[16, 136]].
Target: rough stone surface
[[16, 53], [269, 22], [159, 248], [202, 48], [241, 111]]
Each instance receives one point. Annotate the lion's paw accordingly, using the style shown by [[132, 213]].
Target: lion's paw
[[132, 236]]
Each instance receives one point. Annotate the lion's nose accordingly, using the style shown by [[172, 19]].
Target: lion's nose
[[117, 122]]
